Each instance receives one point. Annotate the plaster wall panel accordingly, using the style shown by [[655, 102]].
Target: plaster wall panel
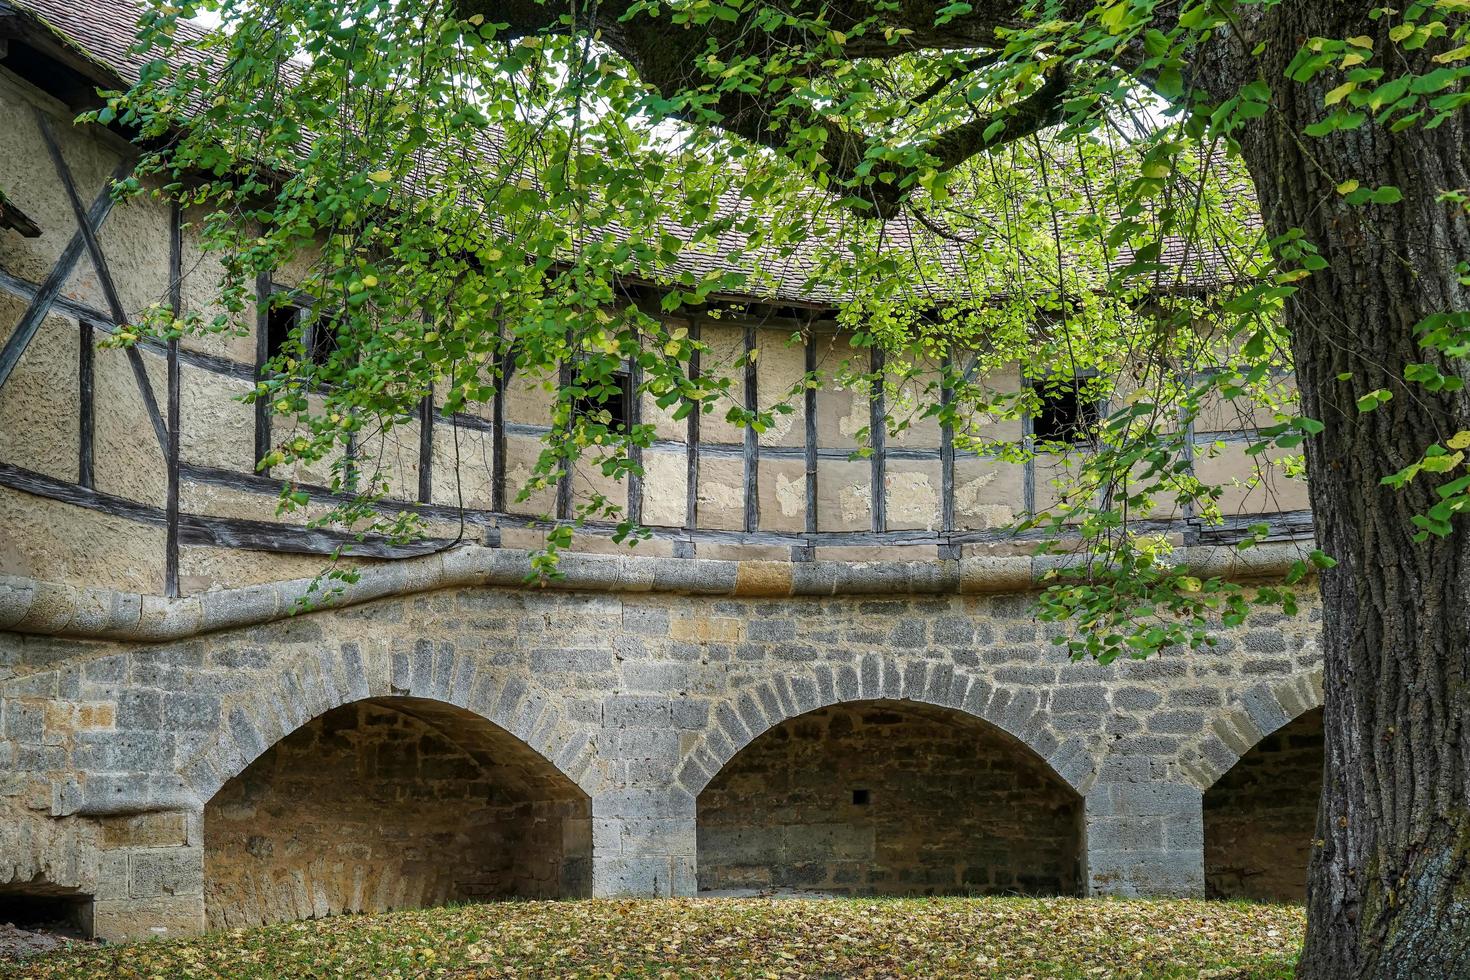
[[844, 501], [912, 491], [30, 176], [783, 494], [988, 493], [665, 487], [722, 492], [472, 451], [521, 454], [216, 427], [780, 367], [722, 359], [911, 389], [38, 404], [56, 542], [1250, 484], [129, 460], [530, 397], [205, 569]]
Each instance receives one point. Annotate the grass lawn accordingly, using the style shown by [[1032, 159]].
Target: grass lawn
[[946, 937]]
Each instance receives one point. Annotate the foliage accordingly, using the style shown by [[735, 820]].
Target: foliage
[[473, 199], [991, 937]]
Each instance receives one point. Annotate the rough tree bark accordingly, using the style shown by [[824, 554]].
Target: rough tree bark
[[1389, 885]]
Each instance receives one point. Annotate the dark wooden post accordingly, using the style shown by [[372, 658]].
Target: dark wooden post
[[176, 306]]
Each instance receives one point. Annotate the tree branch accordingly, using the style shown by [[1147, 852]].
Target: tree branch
[[669, 58]]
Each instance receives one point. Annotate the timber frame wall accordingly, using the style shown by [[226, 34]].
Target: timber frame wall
[[947, 538]]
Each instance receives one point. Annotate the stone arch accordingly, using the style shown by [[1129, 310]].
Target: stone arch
[[1246, 719], [1260, 808], [316, 684], [1021, 714], [391, 802], [888, 797]]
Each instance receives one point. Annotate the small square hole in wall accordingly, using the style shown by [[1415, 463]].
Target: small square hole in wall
[[861, 797]]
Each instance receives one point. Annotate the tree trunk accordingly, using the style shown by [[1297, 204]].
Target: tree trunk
[[1389, 886]]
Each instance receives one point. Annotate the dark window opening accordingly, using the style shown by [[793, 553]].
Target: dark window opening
[[861, 797], [1066, 413], [279, 322], [321, 340], [615, 403]]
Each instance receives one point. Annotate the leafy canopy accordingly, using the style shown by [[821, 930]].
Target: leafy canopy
[[1047, 193]]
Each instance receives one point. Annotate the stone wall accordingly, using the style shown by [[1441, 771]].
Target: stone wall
[[380, 804], [889, 798], [1261, 817], [638, 680]]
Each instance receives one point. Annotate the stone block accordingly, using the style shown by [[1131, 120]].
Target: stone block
[[191, 712], [155, 872], [633, 877], [554, 661], [146, 830], [636, 711], [1088, 697], [689, 713], [1177, 722], [118, 920]]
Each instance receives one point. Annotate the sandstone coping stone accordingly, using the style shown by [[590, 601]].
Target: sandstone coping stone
[[45, 608]]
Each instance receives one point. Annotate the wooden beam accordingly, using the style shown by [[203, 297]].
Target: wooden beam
[[505, 365], [215, 532], [692, 450], [41, 485], [1028, 466], [47, 292], [270, 536], [878, 438], [810, 449], [752, 439], [635, 452], [263, 293], [13, 217], [86, 405], [946, 457], [64, 306], [564, 485], [176, 305], [426, 449]]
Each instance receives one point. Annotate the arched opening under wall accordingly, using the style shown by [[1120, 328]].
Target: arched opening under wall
[[392, 803], [1261, 817], [38, 906], [888, 798]]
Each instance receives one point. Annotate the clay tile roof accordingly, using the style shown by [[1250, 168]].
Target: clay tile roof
[[104, 31]]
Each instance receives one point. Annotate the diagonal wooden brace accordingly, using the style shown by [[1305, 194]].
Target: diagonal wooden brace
[[104, 276]]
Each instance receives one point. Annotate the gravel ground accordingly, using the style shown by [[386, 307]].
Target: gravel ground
[[17, 944]]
